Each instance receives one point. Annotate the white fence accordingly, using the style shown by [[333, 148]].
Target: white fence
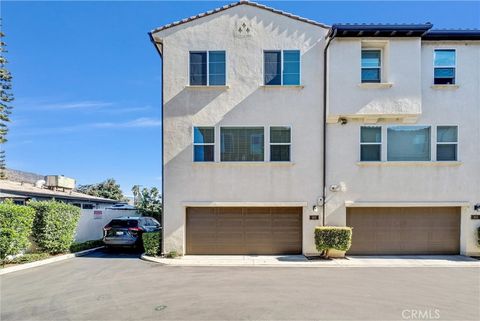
[[91, 223]]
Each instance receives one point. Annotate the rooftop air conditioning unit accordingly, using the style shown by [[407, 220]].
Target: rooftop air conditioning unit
[[59, 182]]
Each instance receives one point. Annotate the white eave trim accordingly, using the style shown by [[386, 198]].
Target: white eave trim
[[244, 204], [407, 204]]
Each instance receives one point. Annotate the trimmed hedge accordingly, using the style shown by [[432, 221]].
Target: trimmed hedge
[[77, 247], [54, 226], [151, 243], [333, 237], [15, 228]]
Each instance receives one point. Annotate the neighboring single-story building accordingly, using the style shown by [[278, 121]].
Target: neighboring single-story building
[[96, 212]]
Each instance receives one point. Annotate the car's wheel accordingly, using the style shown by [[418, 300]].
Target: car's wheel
[[138, 246]]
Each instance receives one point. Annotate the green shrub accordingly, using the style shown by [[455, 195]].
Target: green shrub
[[54, 226], [77, 247], [333, 237], [151, 243], [15, 228]]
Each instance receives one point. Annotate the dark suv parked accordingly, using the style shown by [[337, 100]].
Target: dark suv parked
[[127, 231]]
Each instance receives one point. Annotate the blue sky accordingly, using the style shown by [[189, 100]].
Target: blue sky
[[87, 79]]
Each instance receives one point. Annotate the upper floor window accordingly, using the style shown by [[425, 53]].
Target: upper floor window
[[444, 67], [282, 67], [408, 143], [447, 141], [371, 65], [370, 143], [203, 144], [207, 68], [242, 144], [280, 141]]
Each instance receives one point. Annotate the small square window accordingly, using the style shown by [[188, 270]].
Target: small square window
[[444, 67], [371, 66], [282, 67], [203, 144], [207, 68], [447, 143], [370, 144], [280, 142]]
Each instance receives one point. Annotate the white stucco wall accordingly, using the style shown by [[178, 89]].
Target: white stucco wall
[[244, 103], [428, 182], [90, 226], [400, 70]]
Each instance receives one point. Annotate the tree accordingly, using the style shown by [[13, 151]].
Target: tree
[[2, 165], [6, 97], [148, 201], [107, 189]]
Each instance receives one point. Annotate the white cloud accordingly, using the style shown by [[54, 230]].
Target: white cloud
[[135, 123], [142, 122], [87, 104]]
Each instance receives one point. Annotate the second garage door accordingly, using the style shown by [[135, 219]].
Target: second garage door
[[397, 230], [244, 230]]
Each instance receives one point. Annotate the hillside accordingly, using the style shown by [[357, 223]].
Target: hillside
[[21, 176]]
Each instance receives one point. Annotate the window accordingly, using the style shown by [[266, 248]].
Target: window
[[291, 67], [444, 67], [86, 206], [276, 73], [447, 141], [280, 141], [408, 143], [198, 68], [242, 144], [203, 144], [370, 144], [371, 65], [216, 68], [207, 68]]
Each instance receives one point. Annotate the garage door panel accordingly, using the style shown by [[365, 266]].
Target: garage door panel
[[416, 230], [259, 230]]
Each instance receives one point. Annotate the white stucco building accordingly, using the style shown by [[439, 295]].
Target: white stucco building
[[253, 143]]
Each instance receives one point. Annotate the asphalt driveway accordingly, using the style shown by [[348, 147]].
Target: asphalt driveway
[[119, 286]]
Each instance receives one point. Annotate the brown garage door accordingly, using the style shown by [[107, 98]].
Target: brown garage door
[[244, 230], [412, 230]]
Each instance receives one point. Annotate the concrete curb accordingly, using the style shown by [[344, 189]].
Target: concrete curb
[[314, 264], [59, 258], [151, 259]]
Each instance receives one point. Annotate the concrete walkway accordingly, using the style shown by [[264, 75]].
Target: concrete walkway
[[302, 261]]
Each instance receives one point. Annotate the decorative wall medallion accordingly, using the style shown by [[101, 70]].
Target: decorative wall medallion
[[243, 28]]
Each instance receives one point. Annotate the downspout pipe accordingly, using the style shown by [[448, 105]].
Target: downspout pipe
[[156, 44], [330, 36]]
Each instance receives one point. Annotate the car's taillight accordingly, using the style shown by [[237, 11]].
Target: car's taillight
[[134, 230]]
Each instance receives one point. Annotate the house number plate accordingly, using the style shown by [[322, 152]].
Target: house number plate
[[314, 217], [475, 217]]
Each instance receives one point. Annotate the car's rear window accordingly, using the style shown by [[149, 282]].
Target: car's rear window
[[124, 223]]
